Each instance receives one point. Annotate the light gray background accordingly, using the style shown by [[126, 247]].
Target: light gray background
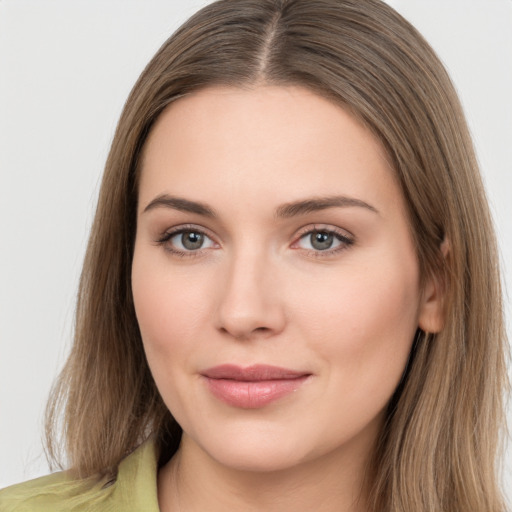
[[66, 68]]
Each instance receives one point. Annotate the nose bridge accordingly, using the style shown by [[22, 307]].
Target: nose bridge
[[249, 302]]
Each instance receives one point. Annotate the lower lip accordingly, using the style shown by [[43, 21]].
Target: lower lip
[[253, 394]]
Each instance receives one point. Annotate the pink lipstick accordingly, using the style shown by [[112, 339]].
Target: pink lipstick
[[254, 386]]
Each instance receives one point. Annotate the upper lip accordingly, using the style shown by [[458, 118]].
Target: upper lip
[[257, 372]]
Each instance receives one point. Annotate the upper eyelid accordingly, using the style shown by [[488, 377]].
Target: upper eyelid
[[304, 230], [324, 227], [189, 227]]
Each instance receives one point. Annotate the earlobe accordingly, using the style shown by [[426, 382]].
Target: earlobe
[[431, 316]]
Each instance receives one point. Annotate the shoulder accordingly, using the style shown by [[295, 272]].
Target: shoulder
[[134, 489], [54, 492]]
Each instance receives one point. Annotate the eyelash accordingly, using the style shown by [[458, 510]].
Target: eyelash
[[166, 237], [345, 241]]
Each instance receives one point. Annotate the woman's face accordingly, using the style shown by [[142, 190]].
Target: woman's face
[[275, 280]]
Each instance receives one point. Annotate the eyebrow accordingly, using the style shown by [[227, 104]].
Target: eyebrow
[[315, 204], [181, 204], [288, 210]]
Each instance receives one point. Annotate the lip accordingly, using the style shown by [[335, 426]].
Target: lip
[[253, 386]]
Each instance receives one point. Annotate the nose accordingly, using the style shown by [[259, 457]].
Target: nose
[[250, 302]]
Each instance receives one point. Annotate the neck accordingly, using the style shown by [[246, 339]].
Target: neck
[[193, 481]]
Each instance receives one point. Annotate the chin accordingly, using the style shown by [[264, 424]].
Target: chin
[[251, 450], [261, 459]]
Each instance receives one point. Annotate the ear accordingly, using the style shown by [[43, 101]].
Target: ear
[[431, 315]]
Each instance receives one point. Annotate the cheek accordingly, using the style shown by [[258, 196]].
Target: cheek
[[363, 327], [169, 308]]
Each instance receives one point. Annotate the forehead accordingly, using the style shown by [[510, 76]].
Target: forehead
[[277, 143]]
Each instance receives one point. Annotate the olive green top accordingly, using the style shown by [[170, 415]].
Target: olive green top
[[133, 490]]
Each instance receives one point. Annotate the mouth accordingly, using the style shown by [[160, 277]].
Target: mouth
[[254, 386]]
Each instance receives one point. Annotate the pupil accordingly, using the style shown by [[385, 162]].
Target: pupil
[[322, 240], [192, 240]]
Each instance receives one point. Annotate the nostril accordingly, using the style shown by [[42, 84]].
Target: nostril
[[246, 334]]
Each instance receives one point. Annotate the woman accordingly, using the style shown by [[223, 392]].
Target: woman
[[290, 298]]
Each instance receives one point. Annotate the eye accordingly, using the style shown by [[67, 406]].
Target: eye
[[323, 240], [189, 240], [186, 240]]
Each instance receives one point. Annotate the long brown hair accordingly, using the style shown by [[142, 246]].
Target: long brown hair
[[437, 450]]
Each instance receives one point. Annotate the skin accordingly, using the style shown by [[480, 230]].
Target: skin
[[259, 291]]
